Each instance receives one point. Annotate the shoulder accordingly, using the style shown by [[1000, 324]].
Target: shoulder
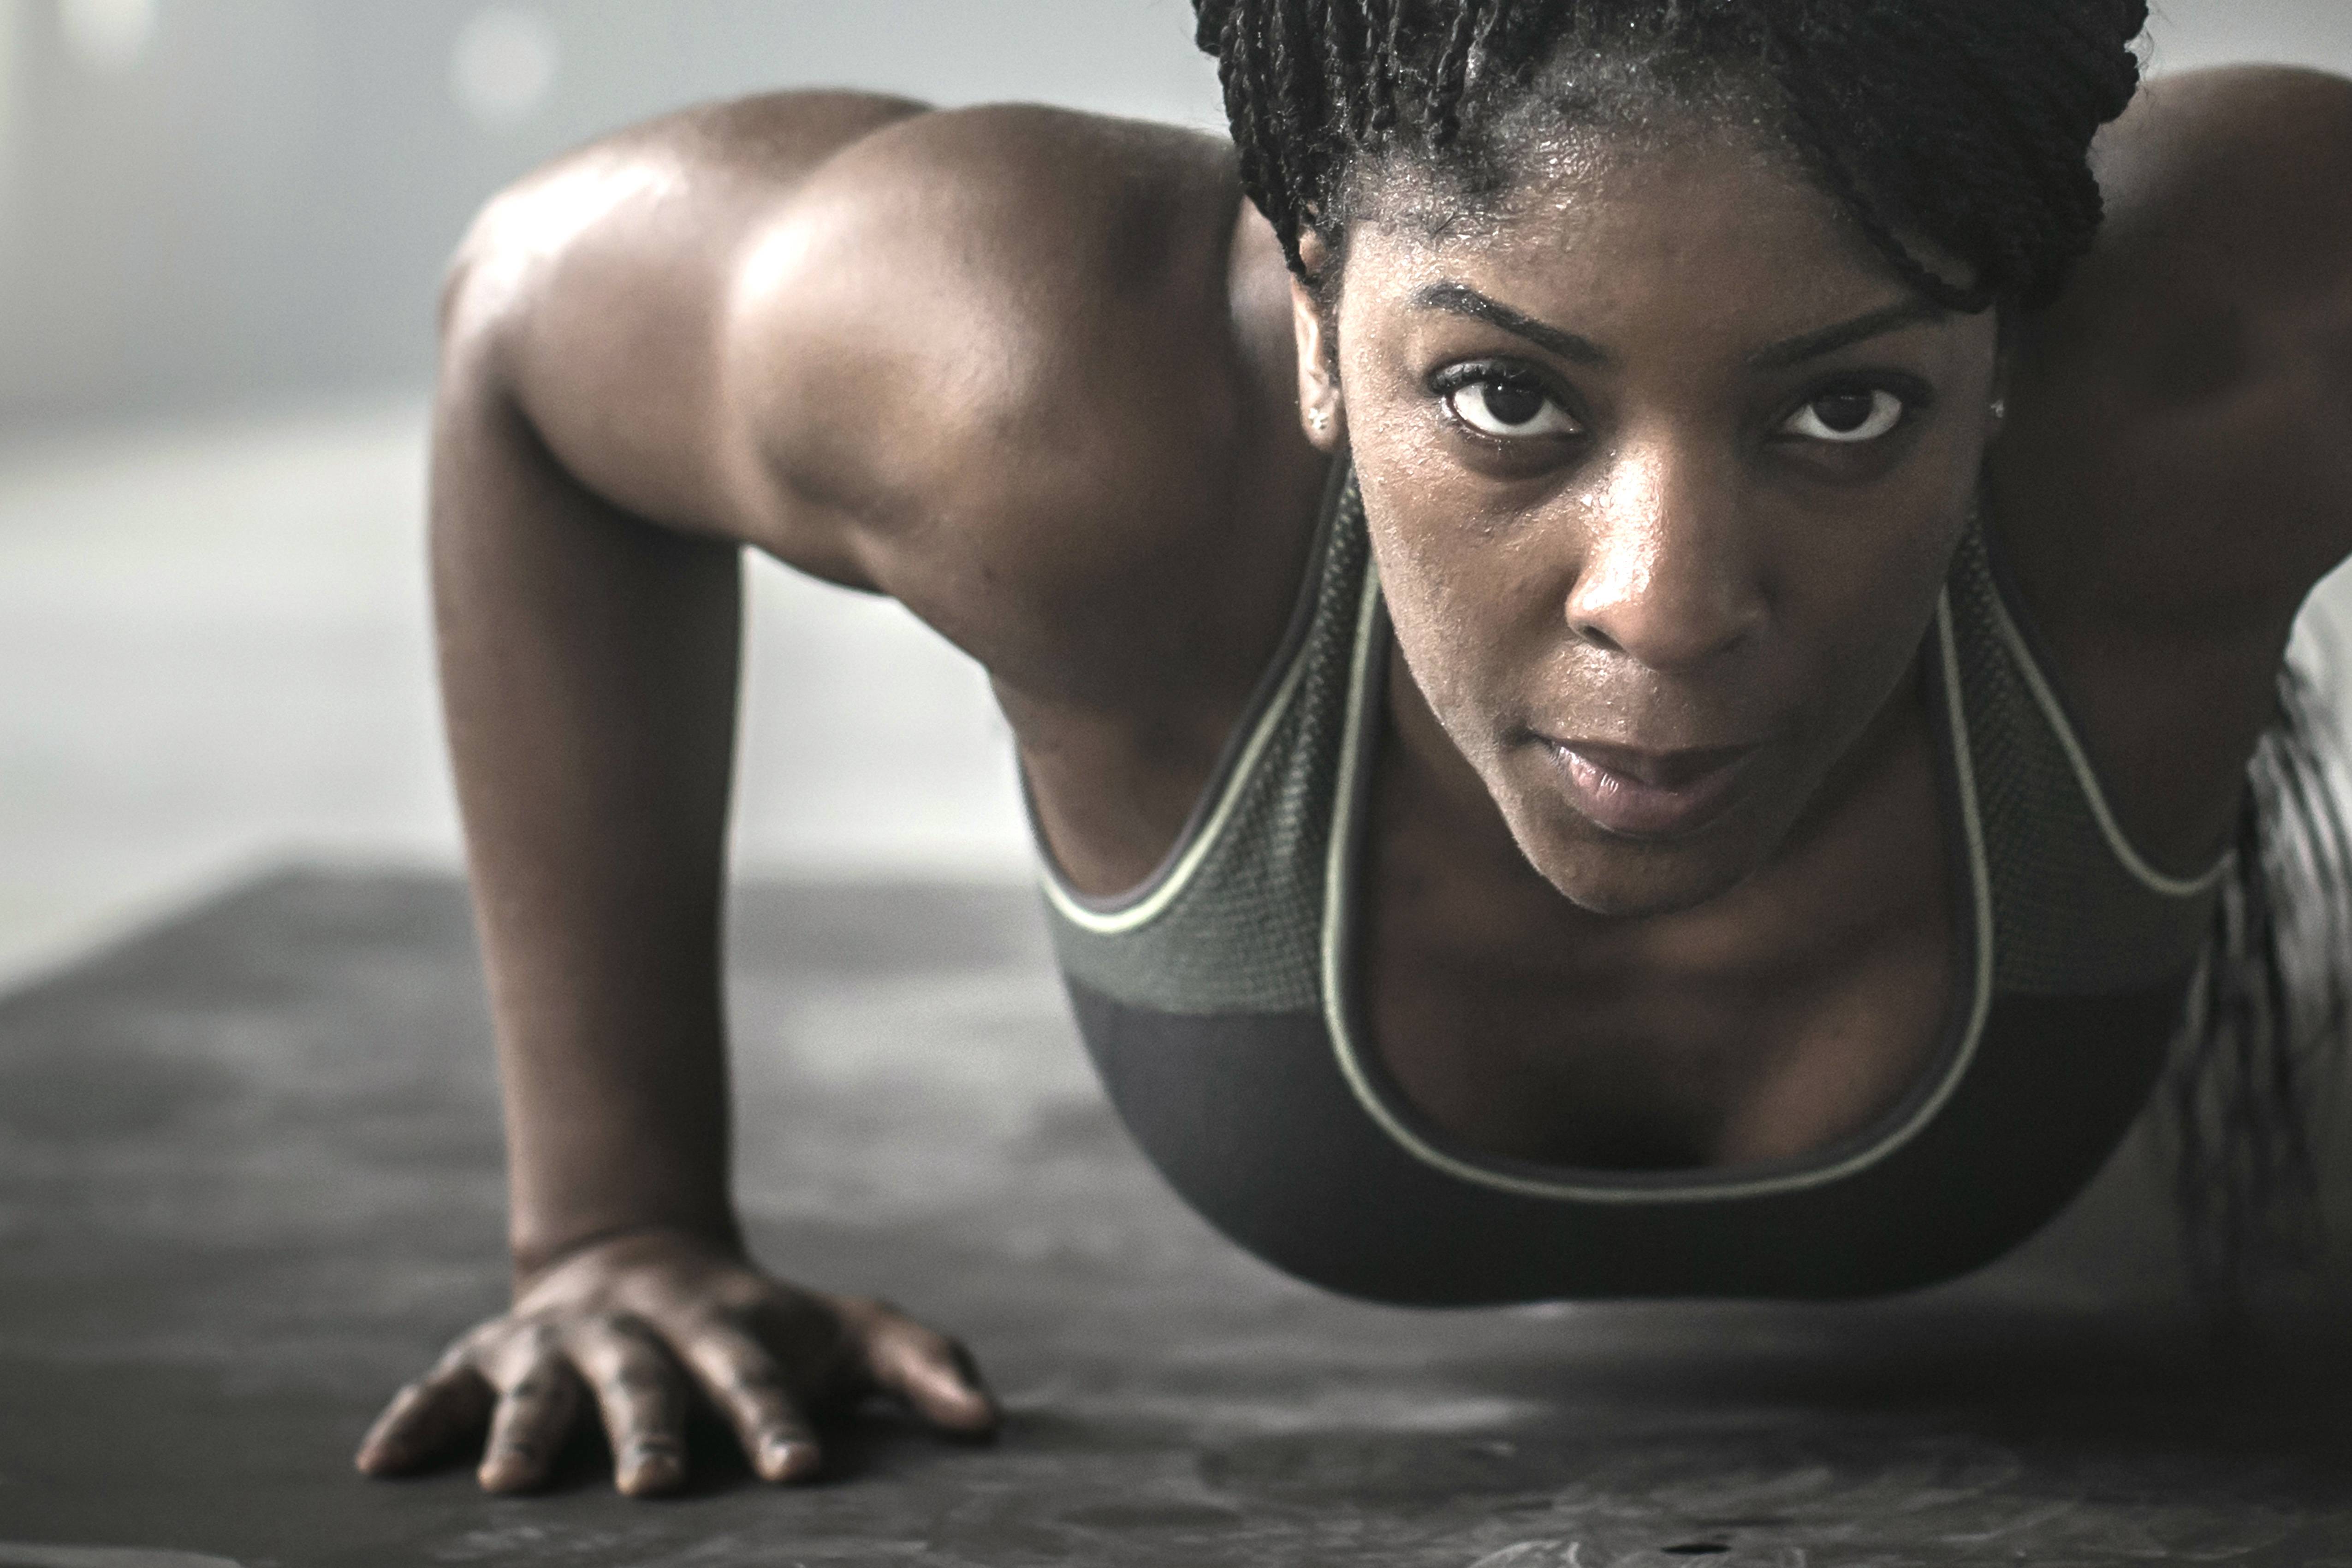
[[1012, 365], [2231, 159], [981, 308], [1039, 185], [582, 298], [2195, 382], [2224, 272], [2176, 472], [1018, 347]]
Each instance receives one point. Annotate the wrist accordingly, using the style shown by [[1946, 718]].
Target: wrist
[[531, 1258]]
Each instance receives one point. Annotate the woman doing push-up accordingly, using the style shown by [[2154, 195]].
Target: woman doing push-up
[[1647, 661]]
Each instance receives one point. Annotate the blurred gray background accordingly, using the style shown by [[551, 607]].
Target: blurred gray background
[[221, 227]]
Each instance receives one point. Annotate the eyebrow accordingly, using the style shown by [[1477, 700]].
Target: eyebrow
[[1914, 311], [1460, 299]]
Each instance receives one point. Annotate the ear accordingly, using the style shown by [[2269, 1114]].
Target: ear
[[1997, 414], [1320, 408]]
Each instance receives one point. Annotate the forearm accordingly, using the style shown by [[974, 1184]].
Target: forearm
[[588, 665]]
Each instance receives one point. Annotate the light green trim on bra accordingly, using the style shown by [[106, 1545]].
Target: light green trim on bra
[[1155, 901], [2087, 778], [1338, 929]]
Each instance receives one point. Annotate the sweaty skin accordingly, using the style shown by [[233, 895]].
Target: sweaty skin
[[1653, 745]]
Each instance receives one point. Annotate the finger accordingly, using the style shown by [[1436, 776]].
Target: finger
[[641, 1393], [424, 1419], [935, 1375], [539, 1398], [739, 1377]]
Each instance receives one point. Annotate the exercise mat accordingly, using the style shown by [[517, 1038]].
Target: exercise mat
[[249, 1183]]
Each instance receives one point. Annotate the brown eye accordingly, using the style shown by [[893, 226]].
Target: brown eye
[[1513, 405], [1510, 410], [1845, 412], [1846, 417]]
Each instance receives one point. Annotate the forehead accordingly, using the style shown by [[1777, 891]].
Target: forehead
[[1713, 220]]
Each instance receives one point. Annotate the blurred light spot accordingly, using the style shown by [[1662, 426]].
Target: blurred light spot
[[503, 66], [107, 36], [8, 13], [528, 227]]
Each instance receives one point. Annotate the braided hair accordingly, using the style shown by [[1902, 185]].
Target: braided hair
[[1965, 122]]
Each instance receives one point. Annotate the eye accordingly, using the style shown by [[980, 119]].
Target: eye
[[1512, 407], [1847, 416]]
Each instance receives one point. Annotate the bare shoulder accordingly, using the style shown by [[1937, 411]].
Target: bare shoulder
[[583, 295], [2220, 150], [1003, 332], [1024, 369], [1026, 366], [2186, 402], [2175, 473]]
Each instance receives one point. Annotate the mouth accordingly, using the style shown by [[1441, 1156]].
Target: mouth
[[1638, 793]]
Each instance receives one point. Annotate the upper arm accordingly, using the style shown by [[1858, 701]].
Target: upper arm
[[589, 299], [2187, 407], [2176, 470], [983, 360], [988, 353]]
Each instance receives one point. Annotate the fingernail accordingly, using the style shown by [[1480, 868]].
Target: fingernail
[[782, 1458], [504, 1468], [650, 1468]]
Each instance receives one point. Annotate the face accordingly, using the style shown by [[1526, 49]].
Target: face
[[1663, 468]]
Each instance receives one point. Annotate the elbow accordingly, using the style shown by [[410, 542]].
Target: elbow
[[484, 284], [491, 290]]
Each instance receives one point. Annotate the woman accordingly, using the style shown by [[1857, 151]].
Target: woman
[[1630, 682]]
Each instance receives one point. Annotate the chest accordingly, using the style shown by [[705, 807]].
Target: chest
[[1766, 1023]]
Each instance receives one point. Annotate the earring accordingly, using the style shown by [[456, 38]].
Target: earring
[[2000, 409], [1321, 418]]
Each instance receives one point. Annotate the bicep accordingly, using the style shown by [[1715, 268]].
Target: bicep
[[2179, 418], [2246, 171], [980, 362], [589, 299]]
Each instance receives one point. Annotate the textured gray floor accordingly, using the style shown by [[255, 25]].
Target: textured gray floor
[[249, 1182]]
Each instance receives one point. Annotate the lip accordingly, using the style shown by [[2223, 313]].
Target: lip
[[1640, 794]]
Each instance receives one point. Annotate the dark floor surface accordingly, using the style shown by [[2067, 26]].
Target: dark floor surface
[[248, 1183]]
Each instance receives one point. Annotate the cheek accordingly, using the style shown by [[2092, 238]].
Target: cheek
[[1877, 575], [1854, 571], [1437, 614], [1857, 618], [1432, 530], [1471, 599], [1847, 601]]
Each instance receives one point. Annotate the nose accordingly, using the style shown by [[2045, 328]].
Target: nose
[[1666, 575]]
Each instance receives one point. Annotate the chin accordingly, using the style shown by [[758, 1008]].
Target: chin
[[1606, 873]]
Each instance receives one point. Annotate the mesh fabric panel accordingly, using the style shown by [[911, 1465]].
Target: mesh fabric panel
[[2069, 918], [1243, 934]]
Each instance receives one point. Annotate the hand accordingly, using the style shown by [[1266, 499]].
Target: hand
[[642, 1323]]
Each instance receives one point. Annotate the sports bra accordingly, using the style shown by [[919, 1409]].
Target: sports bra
[[1221, 1005]]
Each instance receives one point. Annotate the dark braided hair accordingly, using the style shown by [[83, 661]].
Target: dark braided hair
[[1966, 123]]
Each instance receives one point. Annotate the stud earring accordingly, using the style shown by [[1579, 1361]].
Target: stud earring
[[1321, 418], [2000, 409]]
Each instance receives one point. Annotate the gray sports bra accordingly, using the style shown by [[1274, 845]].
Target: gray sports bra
[[1220, 1003]]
